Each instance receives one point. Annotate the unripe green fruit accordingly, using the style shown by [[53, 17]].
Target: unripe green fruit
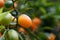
[[6, 19], [11, 35]]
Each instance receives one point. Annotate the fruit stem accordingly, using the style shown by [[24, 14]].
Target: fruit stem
[[16, 12], [22, 37]]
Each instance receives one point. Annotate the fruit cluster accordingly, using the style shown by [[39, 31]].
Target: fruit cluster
[[32, 18], [8, 21]]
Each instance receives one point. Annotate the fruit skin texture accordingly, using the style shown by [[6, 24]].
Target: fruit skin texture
[[1, 3], [36, 21], [22, 30], [33, 27], [6, 19], [11, 35], [25, 21]]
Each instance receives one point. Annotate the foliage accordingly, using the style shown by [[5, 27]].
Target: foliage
[[46, 10]]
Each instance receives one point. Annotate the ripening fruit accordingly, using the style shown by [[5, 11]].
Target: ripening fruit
[[33, 27], [36, 21], [1, 3], [24, 20], [22, 30], [52, 37]]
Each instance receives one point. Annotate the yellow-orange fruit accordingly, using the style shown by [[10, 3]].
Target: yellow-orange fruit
[[36, 21], [24, 20], [1, 3], [22, 30], [33, 27], [52, 37]]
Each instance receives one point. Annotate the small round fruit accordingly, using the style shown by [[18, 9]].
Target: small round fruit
[[1, 3], [9, 4], [7, 19], [51, 37], [33, 27], [11, 35], [24, 20], [36, 21], [22, 30]]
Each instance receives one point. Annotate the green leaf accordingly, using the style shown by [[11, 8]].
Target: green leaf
[[47, 29], [43, 10], [2, 28], [42, 36]]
